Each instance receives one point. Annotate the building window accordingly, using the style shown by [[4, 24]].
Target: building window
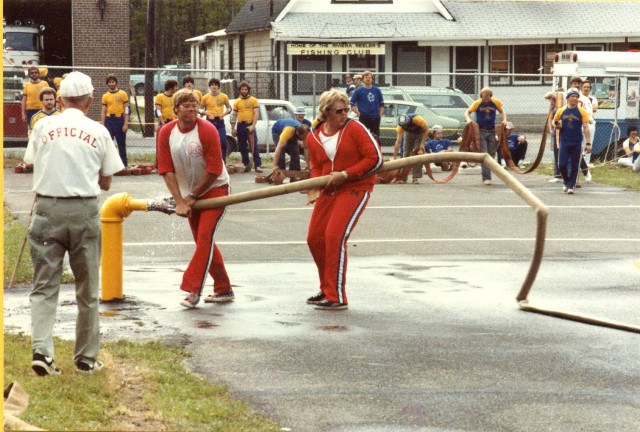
[[499, 64], [549, 52], [303, 83], [527, 60]]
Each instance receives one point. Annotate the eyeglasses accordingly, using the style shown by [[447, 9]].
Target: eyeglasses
[[341, 111], [189, 106]]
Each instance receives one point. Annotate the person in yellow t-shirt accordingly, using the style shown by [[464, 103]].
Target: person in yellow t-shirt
[[189, 84], [115, 115], [48, 99], [164, 103], [216, 105], [246, 111], [31, 102]]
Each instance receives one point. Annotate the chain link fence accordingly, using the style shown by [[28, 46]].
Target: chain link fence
[[445, 95]]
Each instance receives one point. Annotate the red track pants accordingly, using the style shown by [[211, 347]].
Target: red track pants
[[207, 258], [334, 217]]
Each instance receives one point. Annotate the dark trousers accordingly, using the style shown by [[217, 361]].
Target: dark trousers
[[243, 144], [222, 131], [114, 126], [292, 148], [373, 124]]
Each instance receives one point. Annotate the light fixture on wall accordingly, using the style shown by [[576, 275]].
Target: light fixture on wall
[[102, 5]]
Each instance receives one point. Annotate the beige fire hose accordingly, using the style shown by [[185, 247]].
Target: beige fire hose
[[524, 193]]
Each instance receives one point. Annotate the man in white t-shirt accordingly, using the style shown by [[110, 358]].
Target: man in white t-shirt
[[74, 159], [191, 164], [591, 105]]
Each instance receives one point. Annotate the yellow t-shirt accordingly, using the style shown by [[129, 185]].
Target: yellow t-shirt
[[417, 120], [244, 108], [166, 106], [216, 105], [198, 94], [32, 91], [41, 114], [287, 133], [115, 102]]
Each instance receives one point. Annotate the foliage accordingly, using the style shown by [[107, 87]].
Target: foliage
[[142, 387], [176, 21]]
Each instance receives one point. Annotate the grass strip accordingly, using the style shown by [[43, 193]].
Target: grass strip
[[142, 387]]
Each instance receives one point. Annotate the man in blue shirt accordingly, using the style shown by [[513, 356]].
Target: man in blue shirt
[[439, 144], [368, 104]]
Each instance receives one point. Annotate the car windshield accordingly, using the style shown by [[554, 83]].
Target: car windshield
[[440, 101], [276, 112], [21, 41]]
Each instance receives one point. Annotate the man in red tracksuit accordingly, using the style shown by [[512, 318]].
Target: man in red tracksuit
[[346, 150], [190, 161]]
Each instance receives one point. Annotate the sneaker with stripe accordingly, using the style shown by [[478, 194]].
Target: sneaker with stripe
[[43, 365]]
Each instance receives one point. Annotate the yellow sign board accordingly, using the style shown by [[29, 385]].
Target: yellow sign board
[[322, 49]]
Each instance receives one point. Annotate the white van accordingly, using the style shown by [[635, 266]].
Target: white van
[[615, 77]]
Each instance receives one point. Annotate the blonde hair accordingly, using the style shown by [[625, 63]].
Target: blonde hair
[[182, 96], [486, 89], [328, 99]]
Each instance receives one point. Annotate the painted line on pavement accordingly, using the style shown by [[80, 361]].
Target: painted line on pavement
[[450, 240]]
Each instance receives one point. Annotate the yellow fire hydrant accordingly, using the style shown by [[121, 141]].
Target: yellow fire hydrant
[[115, 209]]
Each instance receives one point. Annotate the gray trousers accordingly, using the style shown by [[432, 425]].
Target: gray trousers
[[59, 226], [488, 144], [411, 141]]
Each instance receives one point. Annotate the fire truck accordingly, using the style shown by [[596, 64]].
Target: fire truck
[[22, 47], [615, 77]]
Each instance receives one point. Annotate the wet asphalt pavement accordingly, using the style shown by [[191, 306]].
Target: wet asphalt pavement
[[433, 339]]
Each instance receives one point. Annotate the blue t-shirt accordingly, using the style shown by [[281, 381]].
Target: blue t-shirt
[[436, 146], [368, 101], [572, 121], [279, 125], [512, 140]]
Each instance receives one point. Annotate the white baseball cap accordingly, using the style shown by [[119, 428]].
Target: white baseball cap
[[509, 125], [300, 110], [76, 84], [436, 128]]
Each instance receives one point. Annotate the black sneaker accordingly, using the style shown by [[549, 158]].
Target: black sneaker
[[329, 305], [316, 298], [85, 367], [43, 365]]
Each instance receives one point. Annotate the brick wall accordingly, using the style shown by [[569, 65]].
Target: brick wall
[[101, 42]]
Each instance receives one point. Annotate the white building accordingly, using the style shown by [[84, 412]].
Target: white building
[[515, 40]]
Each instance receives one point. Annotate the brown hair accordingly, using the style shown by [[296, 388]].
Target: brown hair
[[110, 77], [182, 96], [47, 90]]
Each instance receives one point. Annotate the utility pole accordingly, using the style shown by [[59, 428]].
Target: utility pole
[[149, 62]]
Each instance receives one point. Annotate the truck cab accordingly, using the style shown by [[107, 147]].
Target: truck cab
[[22, 44], [615, 78]]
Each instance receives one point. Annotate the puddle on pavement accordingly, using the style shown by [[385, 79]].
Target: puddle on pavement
[[205, 324], [334, 328], [109, 313]]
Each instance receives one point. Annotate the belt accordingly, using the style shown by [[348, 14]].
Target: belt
[[113, 115], [65, 197], [487, 128]]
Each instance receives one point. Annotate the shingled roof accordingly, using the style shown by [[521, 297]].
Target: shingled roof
[[474, 20], [255, 15]]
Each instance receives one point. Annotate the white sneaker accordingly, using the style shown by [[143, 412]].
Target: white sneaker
[[564, 189], [570, 191], [190, 301], [487, 182], [555, 180], [587, 178]]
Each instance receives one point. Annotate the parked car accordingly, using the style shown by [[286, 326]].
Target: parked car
[[389, 121], [175, 72], [445, 101], [271, 110]]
